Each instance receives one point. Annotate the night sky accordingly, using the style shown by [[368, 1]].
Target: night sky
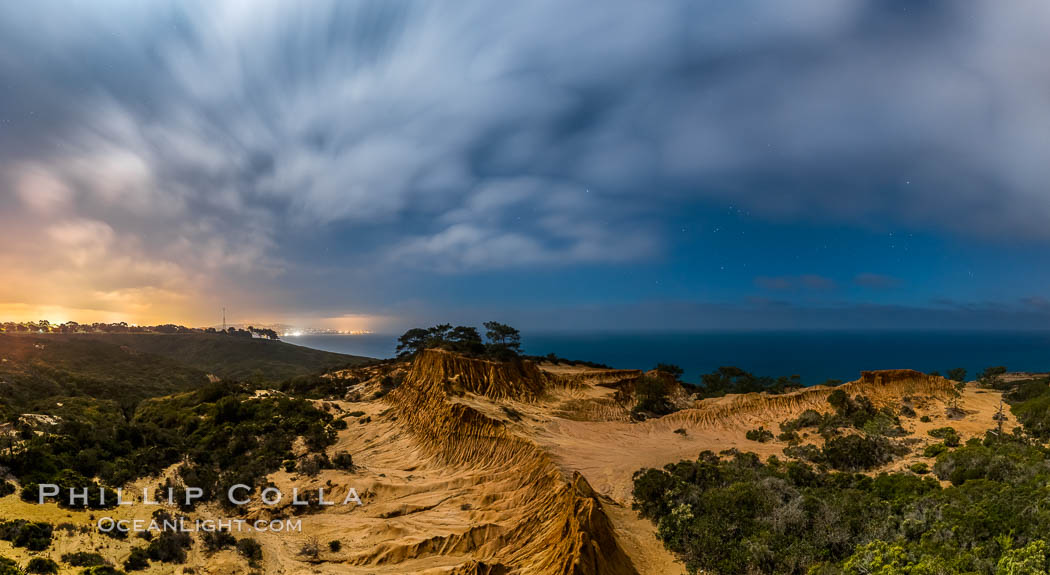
[[554, 164]]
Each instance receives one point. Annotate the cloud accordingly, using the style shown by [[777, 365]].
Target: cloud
[[876, 281], [794, 283], [210, 136]]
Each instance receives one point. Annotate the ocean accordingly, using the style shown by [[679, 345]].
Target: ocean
[[816, 356]]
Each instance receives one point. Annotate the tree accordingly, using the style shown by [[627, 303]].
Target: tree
[[503, 335], [652, 395], [991, 376], [504, 341], [957, 374], [670, 369], [437, 336], [412, 341], [463, 339]]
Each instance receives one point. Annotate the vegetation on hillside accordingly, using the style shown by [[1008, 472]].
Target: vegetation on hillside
[[729, 379], [733, 513], [224, 435], [37, 369], [237, 358]]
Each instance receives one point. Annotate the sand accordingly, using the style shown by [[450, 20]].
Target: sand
[[470, 467]]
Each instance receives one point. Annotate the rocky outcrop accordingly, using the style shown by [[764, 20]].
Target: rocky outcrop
[[518, 379], [885, 387], [600, 377], [548, 524]]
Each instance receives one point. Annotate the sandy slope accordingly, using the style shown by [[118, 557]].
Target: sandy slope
[[483, 468]]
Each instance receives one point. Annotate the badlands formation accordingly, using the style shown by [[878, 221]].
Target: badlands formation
[[476, 467]]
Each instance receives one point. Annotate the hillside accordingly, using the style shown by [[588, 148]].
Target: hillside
[[225, 356], [34, 368], [468, 466]]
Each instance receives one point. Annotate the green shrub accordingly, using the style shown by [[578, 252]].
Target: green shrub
[[102, 570], [34, 536], [946, 434], [858, 452], [652, 395], [217, 540], [343, 460], [9, 567], [83, 559], [761, 435], [169, 547], [250, 550], [1034, 415], [41, 565], [138, 560], [735, 514], [934, 449], [919, 468], [808, 418]]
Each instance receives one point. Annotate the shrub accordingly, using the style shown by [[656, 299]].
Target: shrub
[[250, 550], [925, 419], [808, 418], [1032, 559], [343, 460], [217, 540], [790, 518], [947, 434], [138, 560], [41, 565], [102, 570], [83, 559], [761, 435], [919, 468], [169, 547], [1034, 415], [789, 437], [22, 533], [335, 545], [933, 450], [807, 452], [9, 567], [652, 395], [858, 452]]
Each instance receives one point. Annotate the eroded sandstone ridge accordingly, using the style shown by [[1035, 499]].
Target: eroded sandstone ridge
[[885, 387], [558, 525]]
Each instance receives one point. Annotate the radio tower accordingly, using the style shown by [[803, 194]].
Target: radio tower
[[224, 319]]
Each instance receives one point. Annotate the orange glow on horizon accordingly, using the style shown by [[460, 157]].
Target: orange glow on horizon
[[56, 315]]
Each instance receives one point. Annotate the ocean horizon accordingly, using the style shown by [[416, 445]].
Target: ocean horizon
[[815, 356]]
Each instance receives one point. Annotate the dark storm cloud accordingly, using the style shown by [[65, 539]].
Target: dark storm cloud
[[490, 135]]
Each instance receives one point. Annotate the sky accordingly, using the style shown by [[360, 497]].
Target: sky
[[561, 165]]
